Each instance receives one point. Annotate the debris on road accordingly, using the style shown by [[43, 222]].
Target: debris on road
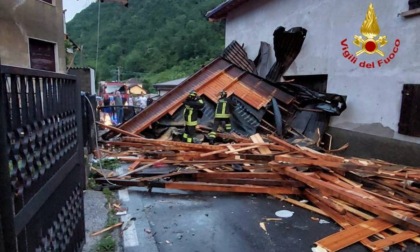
[[356, 193], [277, 146]]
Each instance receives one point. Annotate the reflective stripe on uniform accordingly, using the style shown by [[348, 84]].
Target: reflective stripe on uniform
[[221, 110], [193, 123], [212, 134]]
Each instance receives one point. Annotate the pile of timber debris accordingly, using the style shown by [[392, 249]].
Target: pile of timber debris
[[375, 202]]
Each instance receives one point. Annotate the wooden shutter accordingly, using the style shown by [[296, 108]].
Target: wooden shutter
[[410, 111], [42, 55]]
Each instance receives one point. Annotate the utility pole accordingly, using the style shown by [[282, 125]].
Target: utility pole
[[81, 57], [118, 73]]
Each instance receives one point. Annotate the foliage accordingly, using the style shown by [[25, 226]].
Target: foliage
[[109, 164], [106, 244], [154, 40], [109, 195]]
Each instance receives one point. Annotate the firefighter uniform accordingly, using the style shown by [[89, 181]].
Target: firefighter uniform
[[193, 105], [221, 116]]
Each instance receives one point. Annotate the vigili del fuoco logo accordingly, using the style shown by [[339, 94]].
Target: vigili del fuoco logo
[[371, 42]]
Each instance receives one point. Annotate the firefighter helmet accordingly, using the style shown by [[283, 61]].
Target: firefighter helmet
[[192, 94], [223, 94]]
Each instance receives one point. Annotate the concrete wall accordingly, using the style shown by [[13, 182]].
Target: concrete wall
[[86, 78], [374, 95], [24, 19]]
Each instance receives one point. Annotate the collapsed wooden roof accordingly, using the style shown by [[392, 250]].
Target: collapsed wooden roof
[[209, 81]]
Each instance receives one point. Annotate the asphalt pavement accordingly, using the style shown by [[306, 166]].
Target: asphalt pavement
[[172, 220]]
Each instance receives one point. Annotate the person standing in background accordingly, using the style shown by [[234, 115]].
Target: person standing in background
[[143, 101], [149, 100], [119, 107]]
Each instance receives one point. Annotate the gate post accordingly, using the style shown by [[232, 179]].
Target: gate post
[[6, 197]]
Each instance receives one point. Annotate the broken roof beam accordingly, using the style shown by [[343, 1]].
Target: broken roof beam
[[212, 187], [173, 98], [346, 195], [173, 143], [217, 75]]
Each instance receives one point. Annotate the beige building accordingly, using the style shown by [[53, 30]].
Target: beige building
[[32, 34], [382, 118]]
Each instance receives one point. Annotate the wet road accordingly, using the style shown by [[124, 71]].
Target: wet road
[[172, 220]]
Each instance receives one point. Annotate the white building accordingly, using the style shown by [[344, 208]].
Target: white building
[[372, 83]]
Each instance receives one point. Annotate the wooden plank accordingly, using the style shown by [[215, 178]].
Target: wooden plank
[[245, 181], [338, 218], [204, 169], [322, 156], [415, 207], [353, 234], [301, 204], [348, 181], [212, 153], [134, 165], [369, 217], [196, 186], [347, 195], [256, 138], [345, 221], [192, 146], [141, 168], [394, 239], [247, 175], [330, 203], [289, 146], [334, 180], [243, 149], [307, 161], [145, 148], [231, 148], [119, 130]]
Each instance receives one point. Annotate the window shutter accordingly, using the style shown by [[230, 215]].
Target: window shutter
[[42, 55], [410, 111]]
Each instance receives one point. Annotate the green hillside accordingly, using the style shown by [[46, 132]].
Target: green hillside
[[154, 40]]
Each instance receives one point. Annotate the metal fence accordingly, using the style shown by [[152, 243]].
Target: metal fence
[[41, 161]]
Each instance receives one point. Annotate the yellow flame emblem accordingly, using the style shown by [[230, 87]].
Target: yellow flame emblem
[[370, 29]]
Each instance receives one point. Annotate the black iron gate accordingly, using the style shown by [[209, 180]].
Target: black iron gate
[[41, 161]]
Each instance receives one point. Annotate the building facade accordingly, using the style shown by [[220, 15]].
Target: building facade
[[371, 72], [32, 34]]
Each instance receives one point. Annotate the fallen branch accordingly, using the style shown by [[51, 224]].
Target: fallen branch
[[107, 229]]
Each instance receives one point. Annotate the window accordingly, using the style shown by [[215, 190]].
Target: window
[[410, 111], [48, 1], [413, 4], [42, 55], [413, 9]]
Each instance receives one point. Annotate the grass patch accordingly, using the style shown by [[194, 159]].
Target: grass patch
[[106, 244]]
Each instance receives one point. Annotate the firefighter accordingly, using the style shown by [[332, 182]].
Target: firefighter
[[193, 105], [221, 116]]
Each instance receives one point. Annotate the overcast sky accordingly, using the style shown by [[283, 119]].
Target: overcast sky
[[75, 6]]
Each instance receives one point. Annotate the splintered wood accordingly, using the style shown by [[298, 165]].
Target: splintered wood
[[375, 202]]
